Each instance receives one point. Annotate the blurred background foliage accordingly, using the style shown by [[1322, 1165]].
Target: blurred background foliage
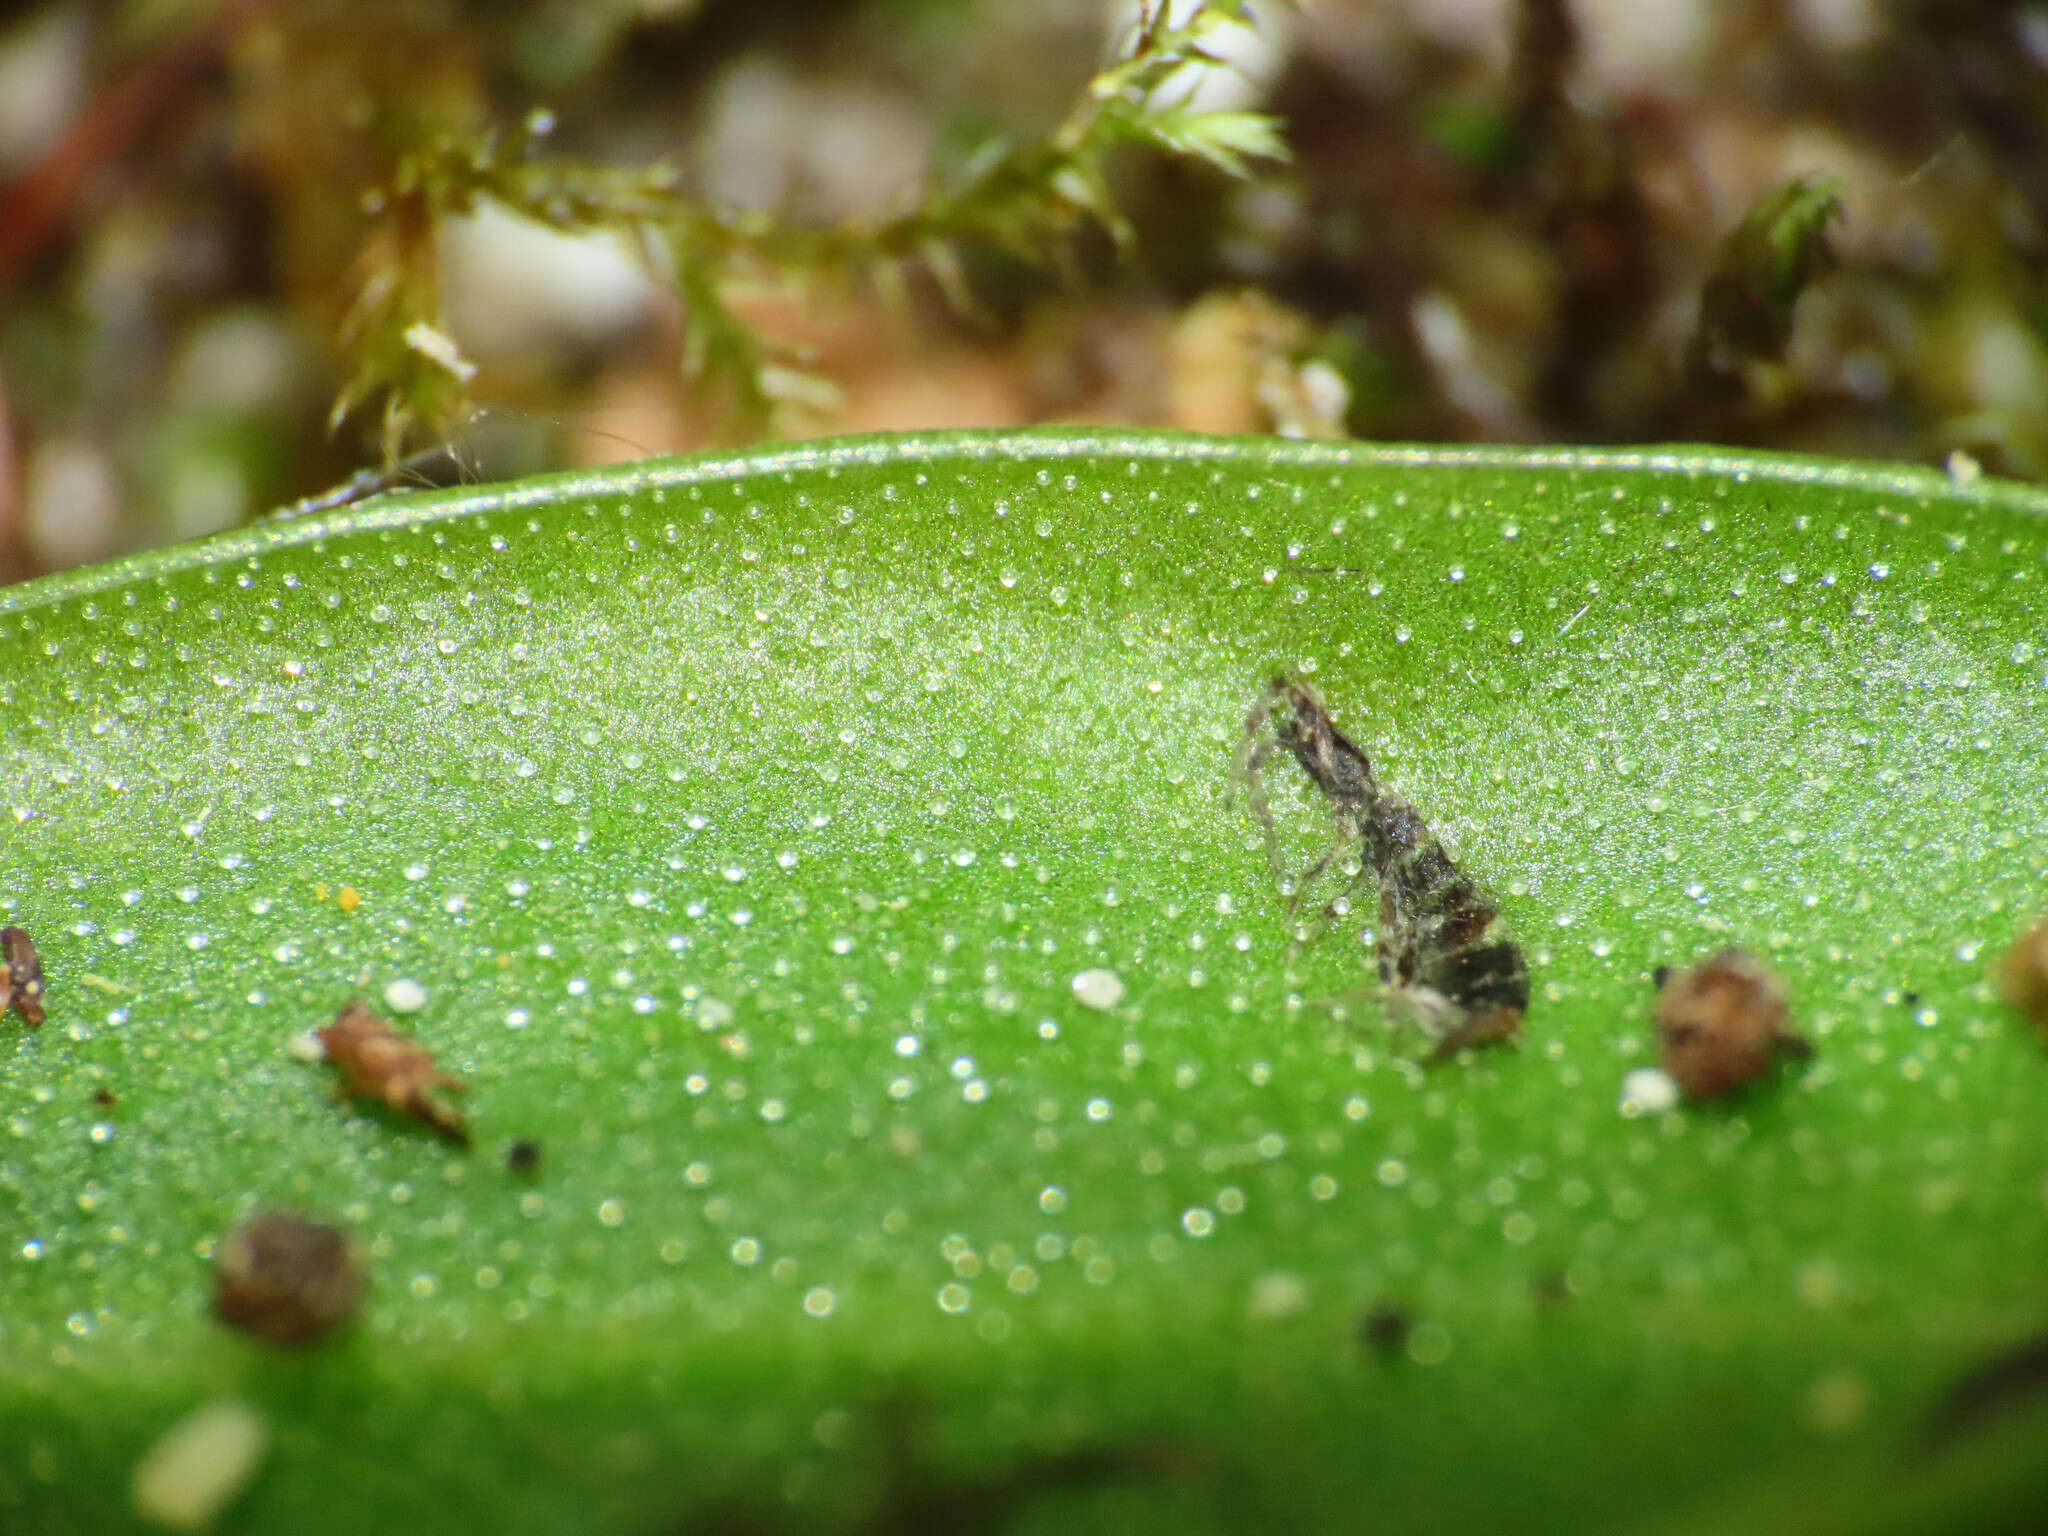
[[248, 247]]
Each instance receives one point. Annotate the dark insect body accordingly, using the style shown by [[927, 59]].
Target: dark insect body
[[523, 1156], [287, 1278], [1464, 986], [21, 975], [379, 1063]]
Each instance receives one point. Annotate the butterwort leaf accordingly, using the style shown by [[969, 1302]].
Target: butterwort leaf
[[829, 856]]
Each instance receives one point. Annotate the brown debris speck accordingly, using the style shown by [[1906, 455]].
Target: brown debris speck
[[2023, 974], [379, 1063], [1385, 1328], [287, 1278], [1722, 1023], [21, 975]]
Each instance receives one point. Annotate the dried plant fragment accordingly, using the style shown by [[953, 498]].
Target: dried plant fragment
[[1722, 1023], [379, 1063], [2023, 974], [1464, 987], [288, 1278], [199, 1466], [21, 975]]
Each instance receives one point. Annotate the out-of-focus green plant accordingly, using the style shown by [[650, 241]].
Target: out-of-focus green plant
[[1027, 201], [1780, 246]]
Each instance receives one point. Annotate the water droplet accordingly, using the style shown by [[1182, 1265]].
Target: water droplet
[[1430, 1344], [1836, 1402]]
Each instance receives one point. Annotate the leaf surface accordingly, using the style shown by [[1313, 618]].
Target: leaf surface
[[747, 821]]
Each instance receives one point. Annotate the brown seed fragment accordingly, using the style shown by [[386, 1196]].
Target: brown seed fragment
[[21, 975], [288, 1278], [2023, 974], [1722, 1022], [379, 1063]]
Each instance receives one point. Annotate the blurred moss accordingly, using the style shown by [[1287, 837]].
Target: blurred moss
[[1594, 241]]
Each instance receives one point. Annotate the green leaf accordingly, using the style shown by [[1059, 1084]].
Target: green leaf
[[746, 822]]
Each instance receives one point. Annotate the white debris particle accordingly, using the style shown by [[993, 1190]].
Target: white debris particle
[[405, 996], [1099, 988], [1647, 1091], [306, 1046], [713, 1013], [199, 1466]]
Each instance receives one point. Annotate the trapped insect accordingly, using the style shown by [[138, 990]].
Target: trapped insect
[[1462, 986], [379, 1063], [21, 975], [1723, 1023]]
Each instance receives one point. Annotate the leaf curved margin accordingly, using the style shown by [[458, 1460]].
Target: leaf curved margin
[[1690, 461]]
